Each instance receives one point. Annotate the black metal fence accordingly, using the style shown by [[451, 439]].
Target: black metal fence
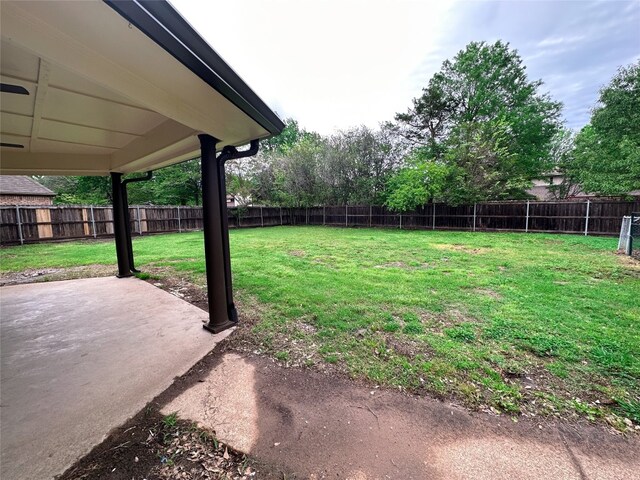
[[22, 224]]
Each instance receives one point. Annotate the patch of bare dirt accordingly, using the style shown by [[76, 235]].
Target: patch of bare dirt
[[33, 275], [462, 248], [150, 446], [168, 280], [403, 265], [291, 343], [487, 292], [407, 347], [436, 322], [297, 253]]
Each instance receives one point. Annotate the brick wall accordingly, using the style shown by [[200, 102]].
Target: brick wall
[[26, 200]]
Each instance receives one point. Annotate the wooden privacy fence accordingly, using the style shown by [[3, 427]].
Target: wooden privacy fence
[[27, 224]]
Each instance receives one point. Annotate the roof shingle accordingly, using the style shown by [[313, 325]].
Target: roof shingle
[[22, 185]]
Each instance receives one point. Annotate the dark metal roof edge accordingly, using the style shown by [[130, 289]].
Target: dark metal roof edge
[[166, 27]]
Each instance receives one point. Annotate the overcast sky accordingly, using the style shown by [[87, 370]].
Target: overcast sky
[[336, 64]]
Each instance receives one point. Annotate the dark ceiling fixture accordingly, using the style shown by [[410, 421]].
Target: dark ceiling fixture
[[11, 145], [17, 89]]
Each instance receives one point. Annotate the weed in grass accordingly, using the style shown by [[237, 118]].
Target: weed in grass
[[629, 409], [463, 332], [413, 329], [170, 420], [558, 369], [282, 356]]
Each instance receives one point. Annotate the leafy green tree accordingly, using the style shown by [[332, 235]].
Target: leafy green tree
[[290, 135], [356, 165], [296, 178], [481, 164], [420, 181], [607, 153], [72, 190], [484, 84], [179, 184], [562, 157]]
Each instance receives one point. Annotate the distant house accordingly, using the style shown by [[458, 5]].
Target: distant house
[[542, 189], [23, 190], [238, 201]]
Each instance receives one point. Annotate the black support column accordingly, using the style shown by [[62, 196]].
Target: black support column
[[119, 226], [222, 312]]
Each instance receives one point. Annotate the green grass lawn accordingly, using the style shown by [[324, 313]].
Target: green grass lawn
[[520, 323]]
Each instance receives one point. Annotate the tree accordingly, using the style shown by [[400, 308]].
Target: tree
[[481, 165], [71, 190], [290, 135], [356, 165], [562, 157], [607, 153], [417, 183], [484, 84]]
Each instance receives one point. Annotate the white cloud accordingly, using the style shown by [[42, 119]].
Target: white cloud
[[335, 64], [555, 41]]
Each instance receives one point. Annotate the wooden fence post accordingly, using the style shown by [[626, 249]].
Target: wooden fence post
[[306, 213], [324, 215], [93, 221], [281, 216], [346, 215], [526, 223], [370, 216], [19, 221], [586, 220], [401, 221], [179, 222], [261, 217]]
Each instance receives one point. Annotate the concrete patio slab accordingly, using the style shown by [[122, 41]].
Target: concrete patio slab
[[321, 426], [79, 358]]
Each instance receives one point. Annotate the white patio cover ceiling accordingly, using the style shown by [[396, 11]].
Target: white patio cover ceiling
[[109, 90]]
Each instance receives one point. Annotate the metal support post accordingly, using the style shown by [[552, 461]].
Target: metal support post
[[222, 310], [139, 220], [324, 215], [370, 216], [400, 221], [214, 220], [93, 222], [119, 225], [346, 215], [433, 221], [632, 232], [586, 220], [261, 217], [19, 221], [526, 223], [307, 215], [280, 215], [127, 215], [179, 222], [474, 216]]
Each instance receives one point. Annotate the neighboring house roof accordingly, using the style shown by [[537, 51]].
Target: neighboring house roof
[[22, 185]]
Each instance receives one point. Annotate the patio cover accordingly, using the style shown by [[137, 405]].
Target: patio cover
[[92, 87], [115, 87]]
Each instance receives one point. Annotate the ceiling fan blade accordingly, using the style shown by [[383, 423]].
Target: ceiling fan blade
[[9, 88]]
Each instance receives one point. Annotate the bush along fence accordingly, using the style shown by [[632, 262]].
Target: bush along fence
[[28, 224]]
